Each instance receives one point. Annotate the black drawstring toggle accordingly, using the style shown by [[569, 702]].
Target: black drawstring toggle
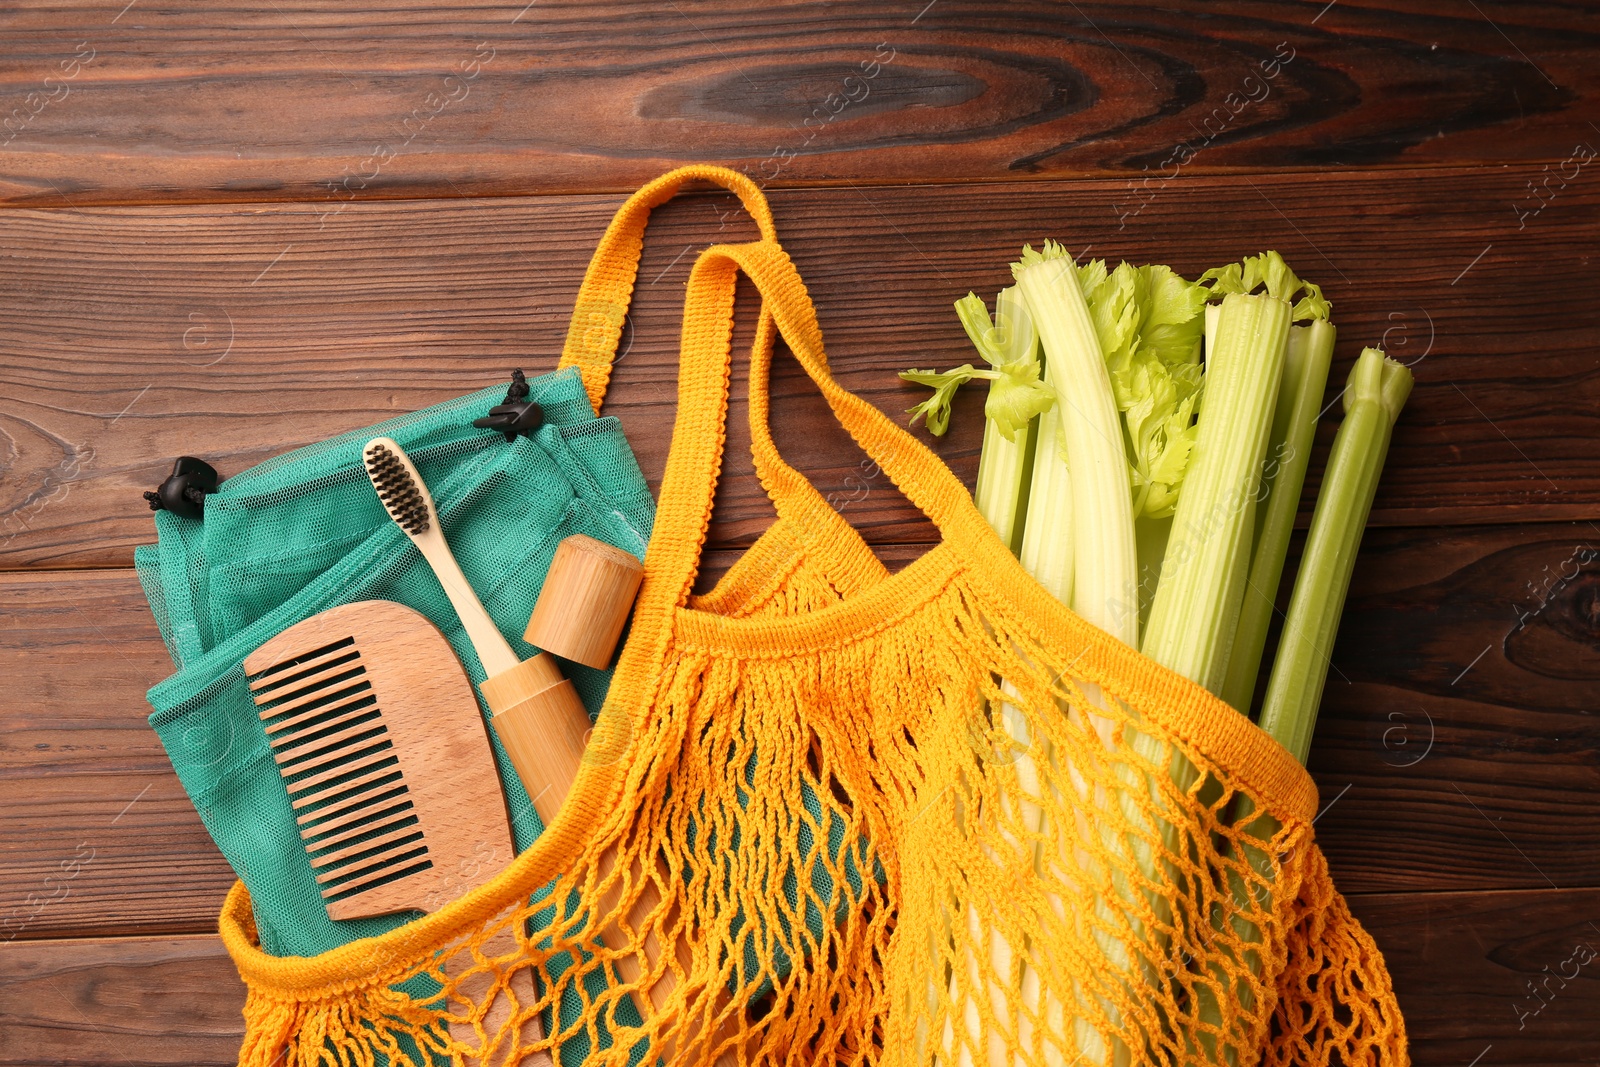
[[517, 415], [184, 491]]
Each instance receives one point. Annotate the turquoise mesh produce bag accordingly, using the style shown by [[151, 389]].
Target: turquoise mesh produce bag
[[305, 532]]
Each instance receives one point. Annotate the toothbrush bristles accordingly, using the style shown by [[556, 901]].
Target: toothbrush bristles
[[397, 489]]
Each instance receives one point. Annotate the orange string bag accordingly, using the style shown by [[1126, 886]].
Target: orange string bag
[[831, 814]]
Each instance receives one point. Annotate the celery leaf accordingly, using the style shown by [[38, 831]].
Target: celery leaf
[[1149, 322], [936, 409], [1010, 345], [1016, 396], [1269, 271]]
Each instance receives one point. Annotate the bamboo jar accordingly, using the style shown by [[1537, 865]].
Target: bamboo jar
[[585, 601]]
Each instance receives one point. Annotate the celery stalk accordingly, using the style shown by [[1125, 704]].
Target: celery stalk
[[1198, 600], [1377, 390], [1267, 270], [1151, 536], [1294, 425], [1005, 465], [1005, 470], [1046, 545], [1105, 568], [1082, 512]]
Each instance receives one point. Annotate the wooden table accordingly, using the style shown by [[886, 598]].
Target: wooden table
[[229, 231]]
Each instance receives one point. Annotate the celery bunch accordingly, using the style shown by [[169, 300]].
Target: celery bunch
[[1124, 424], [1165, 402]]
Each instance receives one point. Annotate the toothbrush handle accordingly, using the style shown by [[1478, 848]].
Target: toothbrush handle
[[493, 651]]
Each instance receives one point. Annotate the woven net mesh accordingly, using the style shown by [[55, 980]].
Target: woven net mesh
[[945, 841]]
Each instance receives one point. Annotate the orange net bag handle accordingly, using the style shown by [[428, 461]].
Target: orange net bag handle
[[607, 290], [700, 432], [602, 305]]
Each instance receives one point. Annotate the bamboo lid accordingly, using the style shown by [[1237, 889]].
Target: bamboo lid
[[585, 601]]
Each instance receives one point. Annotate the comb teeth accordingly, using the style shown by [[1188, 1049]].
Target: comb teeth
[[397, 489], [328, 737]]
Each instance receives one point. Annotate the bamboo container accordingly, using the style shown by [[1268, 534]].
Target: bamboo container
[[536, 712], [585, 601], [543, 725]]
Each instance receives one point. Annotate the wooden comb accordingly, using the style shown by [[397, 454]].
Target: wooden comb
[[375, 729]]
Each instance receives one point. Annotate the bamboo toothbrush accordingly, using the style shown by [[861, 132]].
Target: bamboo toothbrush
[[405, 496]]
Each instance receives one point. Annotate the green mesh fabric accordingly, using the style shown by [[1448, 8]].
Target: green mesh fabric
[[305, 532]]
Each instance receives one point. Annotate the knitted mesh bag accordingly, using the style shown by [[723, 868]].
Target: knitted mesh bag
[[302, 533], [834, 815]]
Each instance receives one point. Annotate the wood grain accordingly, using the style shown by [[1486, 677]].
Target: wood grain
[[134, 1001], [1460, 963], [235, 333], [1436, 772], [185, 103]]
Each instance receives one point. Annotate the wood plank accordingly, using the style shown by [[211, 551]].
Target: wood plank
[[235, 333], [137, 1001], [1439, 768], [100, 835], [186, 103], [1460, 963], [1460, 707]]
